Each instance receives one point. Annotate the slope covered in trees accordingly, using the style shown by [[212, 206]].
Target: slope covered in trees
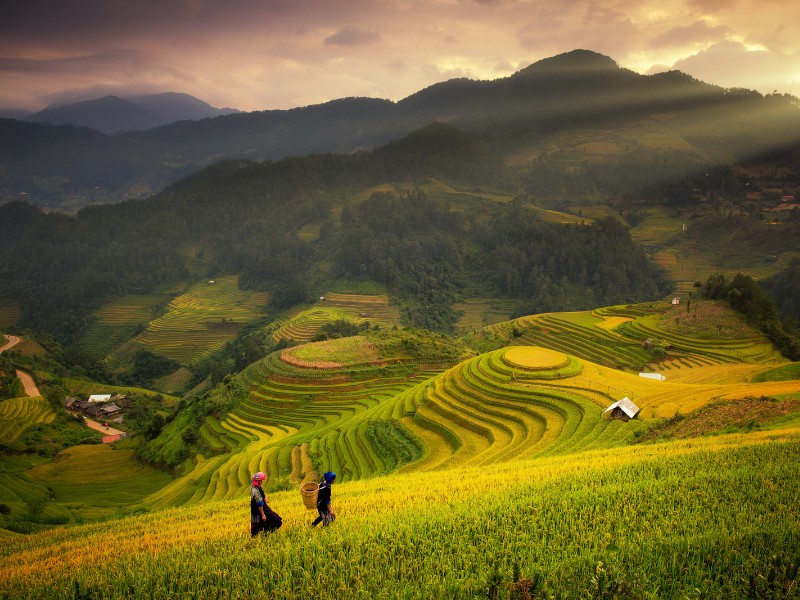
[[243, 217]]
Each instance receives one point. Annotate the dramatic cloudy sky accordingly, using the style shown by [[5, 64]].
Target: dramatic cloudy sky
[[263, 54]]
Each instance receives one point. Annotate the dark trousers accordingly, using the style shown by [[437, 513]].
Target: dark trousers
[[325, 517], [272, 522]]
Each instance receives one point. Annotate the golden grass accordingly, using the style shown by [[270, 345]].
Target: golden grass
[[535, 358], [609, 323]]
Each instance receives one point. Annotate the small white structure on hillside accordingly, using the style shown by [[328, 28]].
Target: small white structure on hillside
[[99, 398], [656, 376], [623, 409]]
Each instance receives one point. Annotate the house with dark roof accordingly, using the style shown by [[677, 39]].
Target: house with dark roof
[[69, 403]]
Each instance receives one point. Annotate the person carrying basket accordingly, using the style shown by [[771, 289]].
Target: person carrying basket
[[326, 514]]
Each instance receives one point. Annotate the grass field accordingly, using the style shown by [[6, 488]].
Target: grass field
[[642, 521], [93, 481]]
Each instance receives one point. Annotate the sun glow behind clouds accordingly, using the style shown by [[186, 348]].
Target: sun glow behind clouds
[[461, 66]]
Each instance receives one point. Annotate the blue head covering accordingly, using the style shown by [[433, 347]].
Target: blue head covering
[[329, 477]]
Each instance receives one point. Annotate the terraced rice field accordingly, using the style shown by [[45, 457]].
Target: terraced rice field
[[304, 326], [613, 336], [119, 320], [355, 308], [202, 320], [373, 308], [19, 414], [480, 312], [516, 403]]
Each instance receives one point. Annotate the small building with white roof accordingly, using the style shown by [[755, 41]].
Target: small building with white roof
[[623, 409]]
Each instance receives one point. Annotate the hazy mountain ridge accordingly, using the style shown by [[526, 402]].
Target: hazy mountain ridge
[[519, 115], [112, 114]]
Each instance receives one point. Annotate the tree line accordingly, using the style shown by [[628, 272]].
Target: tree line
[[243, 217]]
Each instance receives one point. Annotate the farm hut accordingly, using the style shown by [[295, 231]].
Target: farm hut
[[82, 405], [110, 409], [95, 411], [623, 409], [69, 403], [648, 343], [99, 398], [656, 376], [676, 300]]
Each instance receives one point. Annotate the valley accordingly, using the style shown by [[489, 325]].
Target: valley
[[553, 342]]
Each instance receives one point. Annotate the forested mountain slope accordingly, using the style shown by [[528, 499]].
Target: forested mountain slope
[[244, 217]]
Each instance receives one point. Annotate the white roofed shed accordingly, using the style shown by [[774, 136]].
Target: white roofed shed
[[623, 409]]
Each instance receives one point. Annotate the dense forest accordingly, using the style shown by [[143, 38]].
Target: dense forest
[[243, 217]]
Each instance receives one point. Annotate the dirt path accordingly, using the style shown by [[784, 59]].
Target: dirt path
[[28, 383], [99, 427], [12, 341]]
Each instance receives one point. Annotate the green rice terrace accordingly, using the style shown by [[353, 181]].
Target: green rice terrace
[[19, 414], [351, 406], [513, 442], [359, 309], [201, 320]]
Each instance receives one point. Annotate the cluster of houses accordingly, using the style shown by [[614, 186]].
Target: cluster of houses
[[107, 407]]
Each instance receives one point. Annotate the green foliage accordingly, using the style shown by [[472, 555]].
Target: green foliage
[[10, 385], [243, 217], [744, 295], [148, 366], [784, 289], [340, 328], [416, 344]]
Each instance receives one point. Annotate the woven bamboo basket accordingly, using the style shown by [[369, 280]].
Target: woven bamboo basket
[[309, 491]]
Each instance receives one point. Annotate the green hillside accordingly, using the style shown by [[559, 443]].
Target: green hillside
[[385, 402]]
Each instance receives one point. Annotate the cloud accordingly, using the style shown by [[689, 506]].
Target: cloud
[[110, 59], [698, 32], [731, 64], [352, 36]]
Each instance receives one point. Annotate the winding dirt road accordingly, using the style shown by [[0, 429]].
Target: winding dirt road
[[27, 381], [12, 341]]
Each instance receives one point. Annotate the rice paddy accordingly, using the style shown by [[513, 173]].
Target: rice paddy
[[201, 320], [337, 405], [19, 414], [643, 521], [504, 460]]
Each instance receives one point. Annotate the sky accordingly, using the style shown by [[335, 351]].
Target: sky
[[280, 54]]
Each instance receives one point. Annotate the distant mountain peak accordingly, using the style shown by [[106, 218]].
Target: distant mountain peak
[[575, 62], [112, 114]]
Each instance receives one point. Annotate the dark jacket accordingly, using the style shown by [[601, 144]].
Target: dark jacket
[[324, 496]]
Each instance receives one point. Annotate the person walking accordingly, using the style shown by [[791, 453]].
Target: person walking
[[262, 517], [326, 514]]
